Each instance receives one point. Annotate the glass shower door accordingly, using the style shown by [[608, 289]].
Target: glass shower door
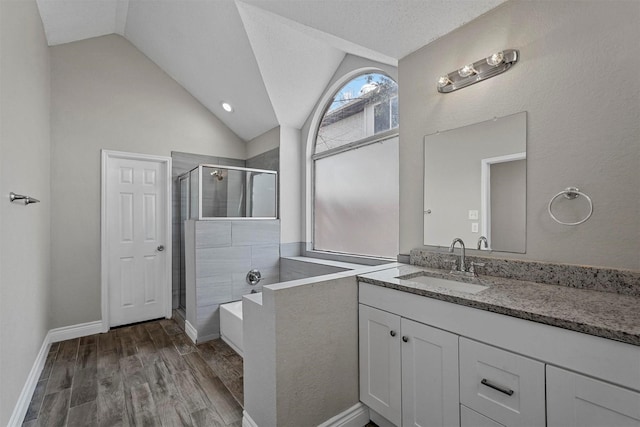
[[185, 204]]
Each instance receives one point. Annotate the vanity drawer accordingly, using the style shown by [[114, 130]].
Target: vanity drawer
[[470, 418], [501, 385]]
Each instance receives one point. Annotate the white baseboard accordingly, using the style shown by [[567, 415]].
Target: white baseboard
[[356, 416], [22, 405], [190, 331], [247, 421], [76, 331], [205, 338], [54, 335]]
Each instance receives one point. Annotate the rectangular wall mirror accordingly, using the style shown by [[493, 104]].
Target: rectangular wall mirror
[[475, 184]]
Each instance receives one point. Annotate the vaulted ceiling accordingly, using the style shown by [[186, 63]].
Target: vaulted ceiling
[[270, 59]]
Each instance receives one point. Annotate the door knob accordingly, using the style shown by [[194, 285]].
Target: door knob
[[160, 248]]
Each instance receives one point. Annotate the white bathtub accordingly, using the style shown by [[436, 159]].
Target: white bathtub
[[231, 325]]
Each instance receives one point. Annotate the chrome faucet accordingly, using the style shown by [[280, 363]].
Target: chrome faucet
[[461, 267], [481, 240]]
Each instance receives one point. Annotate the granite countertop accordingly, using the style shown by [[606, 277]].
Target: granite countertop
[[603, 314]]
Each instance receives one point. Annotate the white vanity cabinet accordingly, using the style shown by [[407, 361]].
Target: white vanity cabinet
[[574, 400], [461, 366], [408, 370]]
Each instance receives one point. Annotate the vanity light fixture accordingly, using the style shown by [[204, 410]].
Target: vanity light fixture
[[483, 69], [227, 107]]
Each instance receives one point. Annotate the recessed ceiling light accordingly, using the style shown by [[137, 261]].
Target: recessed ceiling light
[[227, 107]]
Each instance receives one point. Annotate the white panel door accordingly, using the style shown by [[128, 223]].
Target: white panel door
[[430, 388], [136, 222], [574, 400], [380, 381]]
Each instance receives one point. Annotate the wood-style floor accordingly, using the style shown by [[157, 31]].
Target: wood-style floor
[[148, 374]]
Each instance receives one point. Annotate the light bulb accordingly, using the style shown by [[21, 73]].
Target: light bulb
[[467, 70], [227, 107], [495, 59], [443, 81]]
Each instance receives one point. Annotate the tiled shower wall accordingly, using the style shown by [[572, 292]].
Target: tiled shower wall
[[224, 251], [184, 162], [181, 163], [269, 160]]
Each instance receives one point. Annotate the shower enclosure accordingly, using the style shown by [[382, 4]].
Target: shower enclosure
[[228, 192], [216, 192]]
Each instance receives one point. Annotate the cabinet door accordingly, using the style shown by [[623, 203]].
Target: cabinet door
[[380, 362], [574, 400], [430, 391]]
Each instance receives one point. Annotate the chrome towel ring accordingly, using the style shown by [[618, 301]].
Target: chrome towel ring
[[571, 193]]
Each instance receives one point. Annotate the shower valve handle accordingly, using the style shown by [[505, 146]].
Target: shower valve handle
[[253, 277]]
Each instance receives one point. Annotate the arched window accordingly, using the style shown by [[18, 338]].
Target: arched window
[[355, 161]]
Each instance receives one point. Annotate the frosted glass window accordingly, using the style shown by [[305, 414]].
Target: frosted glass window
[[356, 208]]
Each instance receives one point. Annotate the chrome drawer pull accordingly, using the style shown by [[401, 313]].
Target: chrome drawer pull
[[501, 389]]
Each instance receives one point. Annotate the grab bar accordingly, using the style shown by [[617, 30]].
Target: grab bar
[[13, 197]]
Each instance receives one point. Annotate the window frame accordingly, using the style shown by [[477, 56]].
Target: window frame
[[322, 109]]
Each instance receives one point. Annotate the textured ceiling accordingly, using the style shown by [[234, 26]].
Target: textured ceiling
[[391, 27], [270, 59]]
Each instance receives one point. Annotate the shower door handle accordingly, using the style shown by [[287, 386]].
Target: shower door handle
[[160, 248]]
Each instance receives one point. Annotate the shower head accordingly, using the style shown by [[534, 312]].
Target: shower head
[[217, 174]]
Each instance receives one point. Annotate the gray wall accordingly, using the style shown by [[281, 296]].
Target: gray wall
[[295, 269], [583, 118], [106, 94], [289, 209], [317, 350], [263, 143], [303, 333], [25, 252], [269, 160]]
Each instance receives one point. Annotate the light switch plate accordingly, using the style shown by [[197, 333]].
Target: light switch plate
[[474, 227], [473, 214]]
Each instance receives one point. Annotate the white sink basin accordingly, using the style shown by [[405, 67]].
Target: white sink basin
[[470, 288]]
